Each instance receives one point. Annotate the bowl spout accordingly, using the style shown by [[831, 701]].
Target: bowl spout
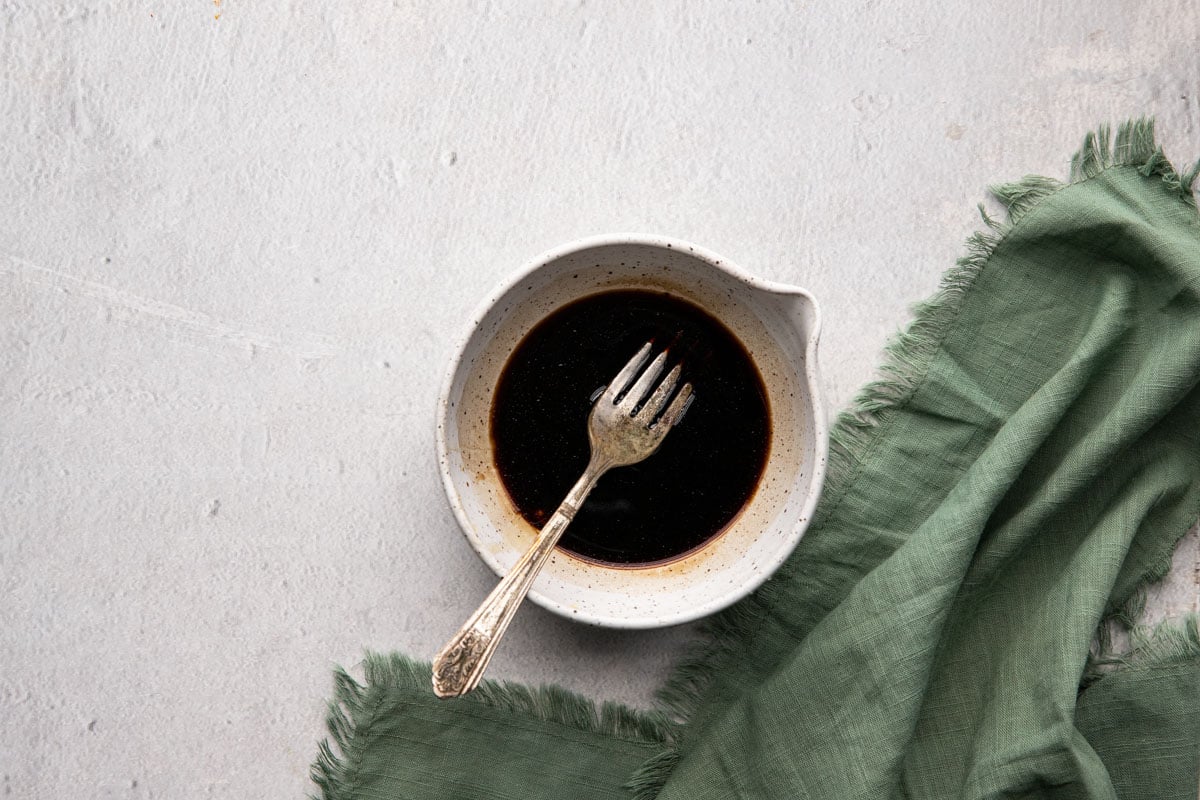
[[795, 305]]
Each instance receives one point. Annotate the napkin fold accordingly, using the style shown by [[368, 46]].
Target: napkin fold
[[995, 505]]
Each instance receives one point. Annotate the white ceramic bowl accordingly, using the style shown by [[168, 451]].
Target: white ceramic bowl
[[777, 324]]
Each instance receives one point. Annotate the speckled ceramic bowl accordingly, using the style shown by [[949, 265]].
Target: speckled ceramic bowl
[[778, 326]]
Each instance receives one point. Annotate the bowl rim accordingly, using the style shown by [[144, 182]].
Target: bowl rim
[[811, 378]]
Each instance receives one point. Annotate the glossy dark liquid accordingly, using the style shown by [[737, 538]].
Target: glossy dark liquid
[[681, 496]]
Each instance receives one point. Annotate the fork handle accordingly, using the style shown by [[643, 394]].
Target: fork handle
[[460, 663]]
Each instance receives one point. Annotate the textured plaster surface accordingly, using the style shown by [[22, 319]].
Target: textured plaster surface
[[239, 238]]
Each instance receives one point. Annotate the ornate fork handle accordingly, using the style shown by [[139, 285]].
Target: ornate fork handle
[[459, 665]]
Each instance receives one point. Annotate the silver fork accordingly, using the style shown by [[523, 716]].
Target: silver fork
[[620, 434]]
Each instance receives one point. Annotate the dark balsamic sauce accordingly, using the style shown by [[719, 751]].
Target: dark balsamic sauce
[[681, 496]]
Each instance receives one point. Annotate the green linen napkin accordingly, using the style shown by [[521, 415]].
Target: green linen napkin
[[994, 507]]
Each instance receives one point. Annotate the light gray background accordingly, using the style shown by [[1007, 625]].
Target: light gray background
[[238, 240]]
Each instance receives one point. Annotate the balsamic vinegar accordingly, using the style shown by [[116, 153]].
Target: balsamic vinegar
[[680, 497]]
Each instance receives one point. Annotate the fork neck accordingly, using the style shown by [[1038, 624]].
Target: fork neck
[[596, 468]]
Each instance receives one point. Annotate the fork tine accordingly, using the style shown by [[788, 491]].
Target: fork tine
[[655, 402], [675, 410], [643, 384], [627, 373]]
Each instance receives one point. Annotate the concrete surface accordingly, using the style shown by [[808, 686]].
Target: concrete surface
[[238, 238]]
